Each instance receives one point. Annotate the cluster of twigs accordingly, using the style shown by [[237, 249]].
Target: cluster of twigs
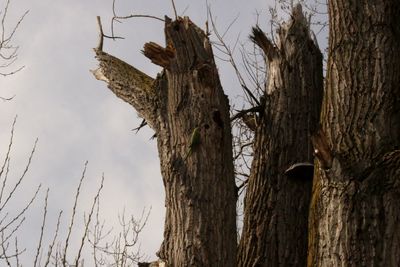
[[121, 250], [251, 71], [11, 223], [8, 51], [107, 248]]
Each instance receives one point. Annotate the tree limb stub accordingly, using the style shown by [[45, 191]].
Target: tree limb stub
[[260, 39], [159, 55], [101, 35], [128, 83]]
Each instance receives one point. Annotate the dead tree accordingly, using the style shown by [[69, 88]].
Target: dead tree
[[200, 226], [279, 187], [355, 190]]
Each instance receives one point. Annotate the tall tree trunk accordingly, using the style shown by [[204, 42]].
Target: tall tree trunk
[[277, 202], [355, 210], [200, 224]]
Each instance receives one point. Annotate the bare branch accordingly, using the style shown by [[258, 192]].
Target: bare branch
[[49, 253], [96, 198], [64, 259], [240, 152], [38, 251], [117, 18], [17, 184], [17, 252], [260, 39], [121, 249], [173, 6], [7, 98], [101, 35], [242, 185], [142, 124], [14, 230], [243, 112], [8, 52], [227, 51], [22, 211], [7, 159], [4, 251], [229, 27]]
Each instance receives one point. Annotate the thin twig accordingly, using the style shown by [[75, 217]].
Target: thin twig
[[250, 96], [101, 34], [17, 252], [13, 231], [173, 6], [38, 251], [50, 252], [241, 187], [8, 52], [64, 259], [240, 113], [241, 148], [22, 211], [89, 220], [117, 18], [7, 98], [4, 251], [21, 177], [230, 26], [7, 158]]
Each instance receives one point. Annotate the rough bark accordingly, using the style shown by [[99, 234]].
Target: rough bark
[[277, 203], [355, 208], [200, 224]]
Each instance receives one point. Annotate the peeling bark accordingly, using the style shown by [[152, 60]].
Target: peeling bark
[[355, 211], [276, 204]]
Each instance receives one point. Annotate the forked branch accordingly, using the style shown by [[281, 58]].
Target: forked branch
[[260, 39], [117, 18]]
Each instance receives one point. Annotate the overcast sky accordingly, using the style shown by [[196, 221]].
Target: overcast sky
[[77, 119]]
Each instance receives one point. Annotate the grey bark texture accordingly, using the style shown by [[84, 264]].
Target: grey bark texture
[[354, 186], [200, 224], [355, 211], [276, 204]]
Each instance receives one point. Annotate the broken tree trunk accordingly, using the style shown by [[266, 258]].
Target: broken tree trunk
[[279, 187], [200, 223], [355, 211]]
